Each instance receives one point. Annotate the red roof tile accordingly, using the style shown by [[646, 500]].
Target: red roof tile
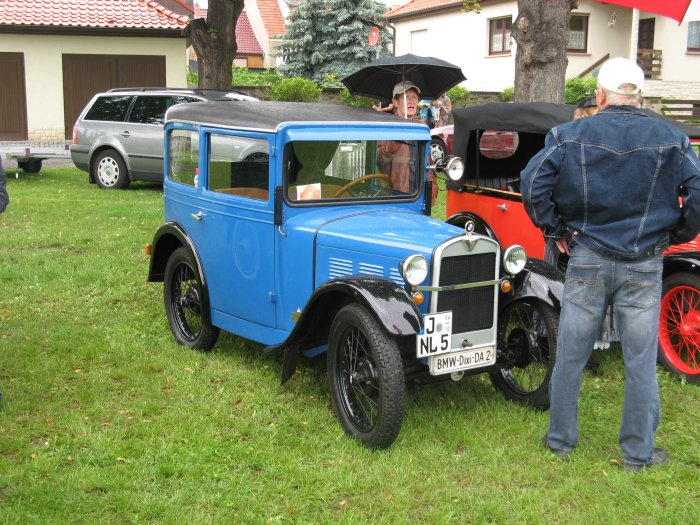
[[272, 17], [128, 14], [419, 6], [245, 38]]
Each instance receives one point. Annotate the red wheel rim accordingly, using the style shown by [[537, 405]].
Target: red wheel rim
[[679, 328]]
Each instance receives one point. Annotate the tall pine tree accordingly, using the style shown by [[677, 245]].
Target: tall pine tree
[[328, 39]]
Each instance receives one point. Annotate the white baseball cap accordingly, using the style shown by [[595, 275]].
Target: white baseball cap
[[402, 87], [618, 71]]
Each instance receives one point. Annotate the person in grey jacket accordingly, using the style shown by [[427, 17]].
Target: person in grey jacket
[[613, 190], [4, 197]]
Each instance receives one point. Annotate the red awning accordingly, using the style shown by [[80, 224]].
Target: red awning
[[671, 8]]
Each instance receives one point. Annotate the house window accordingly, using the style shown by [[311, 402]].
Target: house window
[[578, 34], [499, 36], [694, 36]]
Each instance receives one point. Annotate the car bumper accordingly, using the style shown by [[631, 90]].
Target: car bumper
[[80, 156]]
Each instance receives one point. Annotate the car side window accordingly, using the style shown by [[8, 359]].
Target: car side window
[[183, 157], [182, 100], [239, 166], [149, 109], [111, 108]]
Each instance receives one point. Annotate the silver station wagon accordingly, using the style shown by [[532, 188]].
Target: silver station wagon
[[118, 137]]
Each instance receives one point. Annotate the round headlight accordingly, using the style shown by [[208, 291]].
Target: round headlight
[[455, 168], [514, 259], [414, 269]]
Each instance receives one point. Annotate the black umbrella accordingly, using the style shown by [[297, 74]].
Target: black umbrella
[[377, 79]]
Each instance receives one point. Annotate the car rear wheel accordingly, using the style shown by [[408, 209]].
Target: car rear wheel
[[366, 378], [528, 331], [183, 294], [679, 326], [110, 171]]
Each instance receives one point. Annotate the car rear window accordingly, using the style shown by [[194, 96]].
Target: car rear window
[[109, 108]]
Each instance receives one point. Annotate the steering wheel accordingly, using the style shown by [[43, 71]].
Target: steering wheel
[[345, 188]]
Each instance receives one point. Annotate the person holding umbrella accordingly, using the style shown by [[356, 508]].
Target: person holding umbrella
[[395, 157]]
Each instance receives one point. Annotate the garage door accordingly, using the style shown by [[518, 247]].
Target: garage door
[[13, 99], [85, 75]]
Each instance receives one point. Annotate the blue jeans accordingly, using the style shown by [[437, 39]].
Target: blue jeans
[[634, 290]]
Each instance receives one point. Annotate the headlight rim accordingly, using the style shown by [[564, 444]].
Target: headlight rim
[[507, 255], [406, 271]]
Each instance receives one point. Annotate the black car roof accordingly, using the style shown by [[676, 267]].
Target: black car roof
[[267, 116]]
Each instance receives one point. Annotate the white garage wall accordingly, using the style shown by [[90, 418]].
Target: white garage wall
[[44, 74]]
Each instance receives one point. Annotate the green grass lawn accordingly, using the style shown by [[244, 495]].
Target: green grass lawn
[[105, 419]]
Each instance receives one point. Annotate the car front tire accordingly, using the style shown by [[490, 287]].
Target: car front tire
[[366, 378], [110, 171], [528, 330]]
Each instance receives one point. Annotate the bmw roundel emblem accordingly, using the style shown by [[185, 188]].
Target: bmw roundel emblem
[[469, 227]]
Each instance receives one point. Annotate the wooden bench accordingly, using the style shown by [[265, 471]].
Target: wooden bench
[[681, 110]]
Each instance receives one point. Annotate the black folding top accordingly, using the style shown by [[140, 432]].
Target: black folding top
[[533, 117]]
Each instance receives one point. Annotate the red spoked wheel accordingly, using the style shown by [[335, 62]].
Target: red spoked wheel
[[679, 326]]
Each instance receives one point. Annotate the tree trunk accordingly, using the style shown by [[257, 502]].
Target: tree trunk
[[541, 31], [214, 41]]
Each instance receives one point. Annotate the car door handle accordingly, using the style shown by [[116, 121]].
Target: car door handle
[[197, 216], [126, 134], [503, 206]]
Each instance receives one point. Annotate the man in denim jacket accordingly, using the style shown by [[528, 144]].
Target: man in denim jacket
[[607, 188]]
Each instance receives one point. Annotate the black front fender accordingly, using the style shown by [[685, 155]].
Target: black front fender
[[480, 225], [387, 301], [681, 262], [538, 280]]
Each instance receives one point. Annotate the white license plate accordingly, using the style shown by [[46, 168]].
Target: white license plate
[[436, 336], [456, 361]]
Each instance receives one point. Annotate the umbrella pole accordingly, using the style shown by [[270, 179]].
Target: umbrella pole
[[405, 105]]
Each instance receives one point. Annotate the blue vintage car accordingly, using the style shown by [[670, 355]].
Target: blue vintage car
[[324, 243]]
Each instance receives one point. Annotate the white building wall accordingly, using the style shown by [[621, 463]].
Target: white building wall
[[260, 32], [462, 38], [43, 68], [676, 64]]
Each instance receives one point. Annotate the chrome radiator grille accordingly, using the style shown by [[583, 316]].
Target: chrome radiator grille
[[473, 307]]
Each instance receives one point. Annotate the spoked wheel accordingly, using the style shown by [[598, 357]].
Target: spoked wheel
[[679, 326], [366, 378], [528, 329], [183, 303]]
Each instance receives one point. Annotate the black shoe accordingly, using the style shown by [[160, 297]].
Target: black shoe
[[659, 458], [561, 453]]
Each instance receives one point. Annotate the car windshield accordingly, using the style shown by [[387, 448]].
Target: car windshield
[[352, 169]]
